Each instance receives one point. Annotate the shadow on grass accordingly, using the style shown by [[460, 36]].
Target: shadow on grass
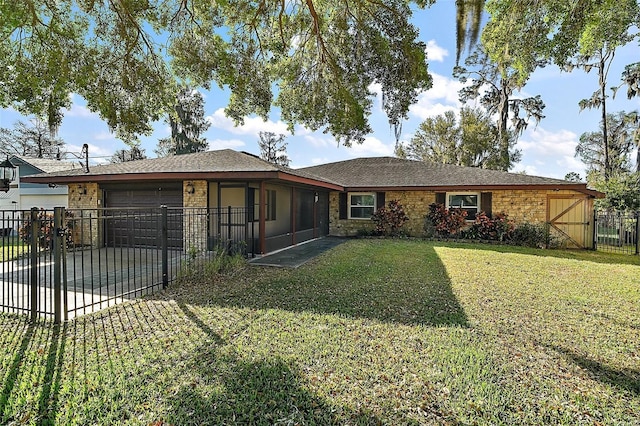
[[18, 346], [151, 363], [624, 379], [390, 281], [264, 392]]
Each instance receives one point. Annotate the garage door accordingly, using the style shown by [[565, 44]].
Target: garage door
[[138, 224]]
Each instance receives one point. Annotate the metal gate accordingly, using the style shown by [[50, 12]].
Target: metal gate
[[571, 216]]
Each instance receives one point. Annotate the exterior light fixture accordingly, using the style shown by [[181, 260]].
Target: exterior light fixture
[[190, 188], [7, 174]]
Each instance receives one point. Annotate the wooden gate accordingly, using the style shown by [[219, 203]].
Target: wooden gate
[[571, 216]]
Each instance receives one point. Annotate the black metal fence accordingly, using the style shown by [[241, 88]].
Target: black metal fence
[[618, 231], [62, 263]]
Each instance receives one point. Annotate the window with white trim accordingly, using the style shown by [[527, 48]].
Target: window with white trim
[[467, 201], [362, 205]]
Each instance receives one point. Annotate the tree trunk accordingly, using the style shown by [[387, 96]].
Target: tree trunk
[[605, 132]]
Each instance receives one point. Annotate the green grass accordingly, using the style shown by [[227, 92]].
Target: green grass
[[372, 332], [11, 248]]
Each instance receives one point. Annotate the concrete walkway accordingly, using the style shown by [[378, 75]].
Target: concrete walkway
[[298, 255]]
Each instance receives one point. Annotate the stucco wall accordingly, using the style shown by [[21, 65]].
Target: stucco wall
[[521, 206]]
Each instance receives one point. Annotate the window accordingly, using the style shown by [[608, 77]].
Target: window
[[467, 201], [362, 205], [270, 204]]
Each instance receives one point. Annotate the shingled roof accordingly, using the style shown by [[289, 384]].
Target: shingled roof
[[221, 164], [379, 173]]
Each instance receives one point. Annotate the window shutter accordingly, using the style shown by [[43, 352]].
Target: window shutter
[[342, 205], [380, 200], [485, 202], [441, 198]]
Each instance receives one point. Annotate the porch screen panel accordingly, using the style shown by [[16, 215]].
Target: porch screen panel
[[305, 201]]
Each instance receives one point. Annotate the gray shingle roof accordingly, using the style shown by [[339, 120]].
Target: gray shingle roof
[[225, 160], [385, 172], [47, 165]]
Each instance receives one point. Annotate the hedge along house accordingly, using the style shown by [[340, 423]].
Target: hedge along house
[[368, 183], [222, 193]]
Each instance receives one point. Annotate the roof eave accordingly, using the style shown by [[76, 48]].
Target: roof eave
[[164, 176], [449, 188]]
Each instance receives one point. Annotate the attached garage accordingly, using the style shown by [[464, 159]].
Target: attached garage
[[134, 215]]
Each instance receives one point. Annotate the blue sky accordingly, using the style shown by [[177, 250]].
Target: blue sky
[[548, 148]]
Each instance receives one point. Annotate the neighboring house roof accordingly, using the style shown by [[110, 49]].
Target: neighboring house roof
[[380, 173], [46, 165], [222, 164]]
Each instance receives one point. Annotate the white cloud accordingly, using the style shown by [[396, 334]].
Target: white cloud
[[527, 169], [252, 125], [552, 144], [319, 142], [217, 144], [79, 110], [371, 147], [97, 153], [442, 96], [435, 52], [104, 136], [554, 152]]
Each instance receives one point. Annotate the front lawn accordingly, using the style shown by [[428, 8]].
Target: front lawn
[[11, 248], [372, 332]]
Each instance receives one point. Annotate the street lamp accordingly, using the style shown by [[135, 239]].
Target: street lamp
[[7, 174]]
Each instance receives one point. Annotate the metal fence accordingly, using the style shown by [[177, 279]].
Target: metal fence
[[618, 231], [63, 263]]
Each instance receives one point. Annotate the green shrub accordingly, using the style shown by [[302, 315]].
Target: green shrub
[[498, 228], [533, 235], [446, 222], [389, 220], [209, 265]]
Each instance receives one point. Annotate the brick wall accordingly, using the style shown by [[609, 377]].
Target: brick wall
[[521, 206], [84, 200], [195, 196]]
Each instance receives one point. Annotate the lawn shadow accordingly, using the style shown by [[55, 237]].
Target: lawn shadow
[[391, 281], [268, 391], [26, 338], [627, 380]]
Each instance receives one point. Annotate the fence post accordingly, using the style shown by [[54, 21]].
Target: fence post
[[58, 240], [595, 229], [33, 267], [638, 232], [165, 244]]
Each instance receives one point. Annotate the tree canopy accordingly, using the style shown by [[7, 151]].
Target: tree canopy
[[188, 123], [472, 141], [314, 59], [521, 33], [273, 148], [31, 139]]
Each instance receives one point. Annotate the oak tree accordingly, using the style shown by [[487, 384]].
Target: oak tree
[[314, 59]]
